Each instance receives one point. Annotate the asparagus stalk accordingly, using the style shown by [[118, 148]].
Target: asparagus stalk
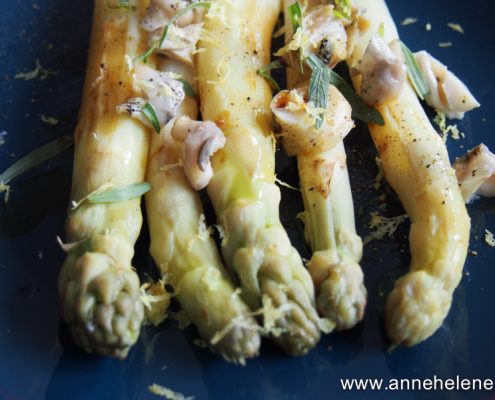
[[98, 286], [329, 213], [330, 230], [183, 249], [243, 192], [416, 165]]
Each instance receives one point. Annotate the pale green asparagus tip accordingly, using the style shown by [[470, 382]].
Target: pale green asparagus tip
[[274, 280], [289, 315], [341, 294], [101, 303]]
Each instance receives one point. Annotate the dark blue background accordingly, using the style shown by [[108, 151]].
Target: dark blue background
[[37, 358]]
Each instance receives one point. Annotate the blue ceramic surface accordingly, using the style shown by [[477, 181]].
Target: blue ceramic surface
[[37, 358]]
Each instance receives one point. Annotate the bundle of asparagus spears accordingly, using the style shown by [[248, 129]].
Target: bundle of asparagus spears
[[153, 66]]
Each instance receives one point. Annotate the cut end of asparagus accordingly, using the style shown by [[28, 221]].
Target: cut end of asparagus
[[340, 290], [415, 308], [101, 304]]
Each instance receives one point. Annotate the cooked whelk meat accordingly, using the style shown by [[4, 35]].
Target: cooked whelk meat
[[180, 43], [201, 140], [384, 73], [322, 35], [476, 173], [182, 36], [327, 36], [296, 118], [160, 12], [448, 94], [133, 106], [163, 92]]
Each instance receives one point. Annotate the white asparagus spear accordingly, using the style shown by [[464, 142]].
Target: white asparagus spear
[[243, 192], [98, 285], [181, 244], [328, 208], [416, 165]]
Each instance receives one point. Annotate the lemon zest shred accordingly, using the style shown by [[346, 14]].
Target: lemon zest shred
[[381, 226], [489, 238], [223, 71], [224, 237], [4, 188], [300, 40], [204, 232], [285, 184], [38, 71], [156, 300], [377, 182], [408, 21], [455, 27], [167, 393], [279, 32], [452, 129], [48, 119]]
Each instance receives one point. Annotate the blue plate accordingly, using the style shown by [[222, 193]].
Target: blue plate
[[37, 358]]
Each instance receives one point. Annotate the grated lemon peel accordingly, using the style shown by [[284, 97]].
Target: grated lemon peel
[[452, 129], [382, 226], [156, 301], [38, 71], [489, 238], [167, 393]]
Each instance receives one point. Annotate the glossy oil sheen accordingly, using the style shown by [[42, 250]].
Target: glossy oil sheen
[[37, 358]]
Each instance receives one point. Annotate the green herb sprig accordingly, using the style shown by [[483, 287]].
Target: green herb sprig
[[414, 73], [37, 157], [264, 72], [118, 194], [295, 15], [360, 110], [318, 85], [149, 112], [188, 89]]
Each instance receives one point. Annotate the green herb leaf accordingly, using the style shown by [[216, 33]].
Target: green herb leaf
[[360, 110], [37, 157], [188, 89], [414, 73], [144, 57], [343, 9], [149, 112], [264, 72], [295, 15], [318, 85], [116, 195]]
